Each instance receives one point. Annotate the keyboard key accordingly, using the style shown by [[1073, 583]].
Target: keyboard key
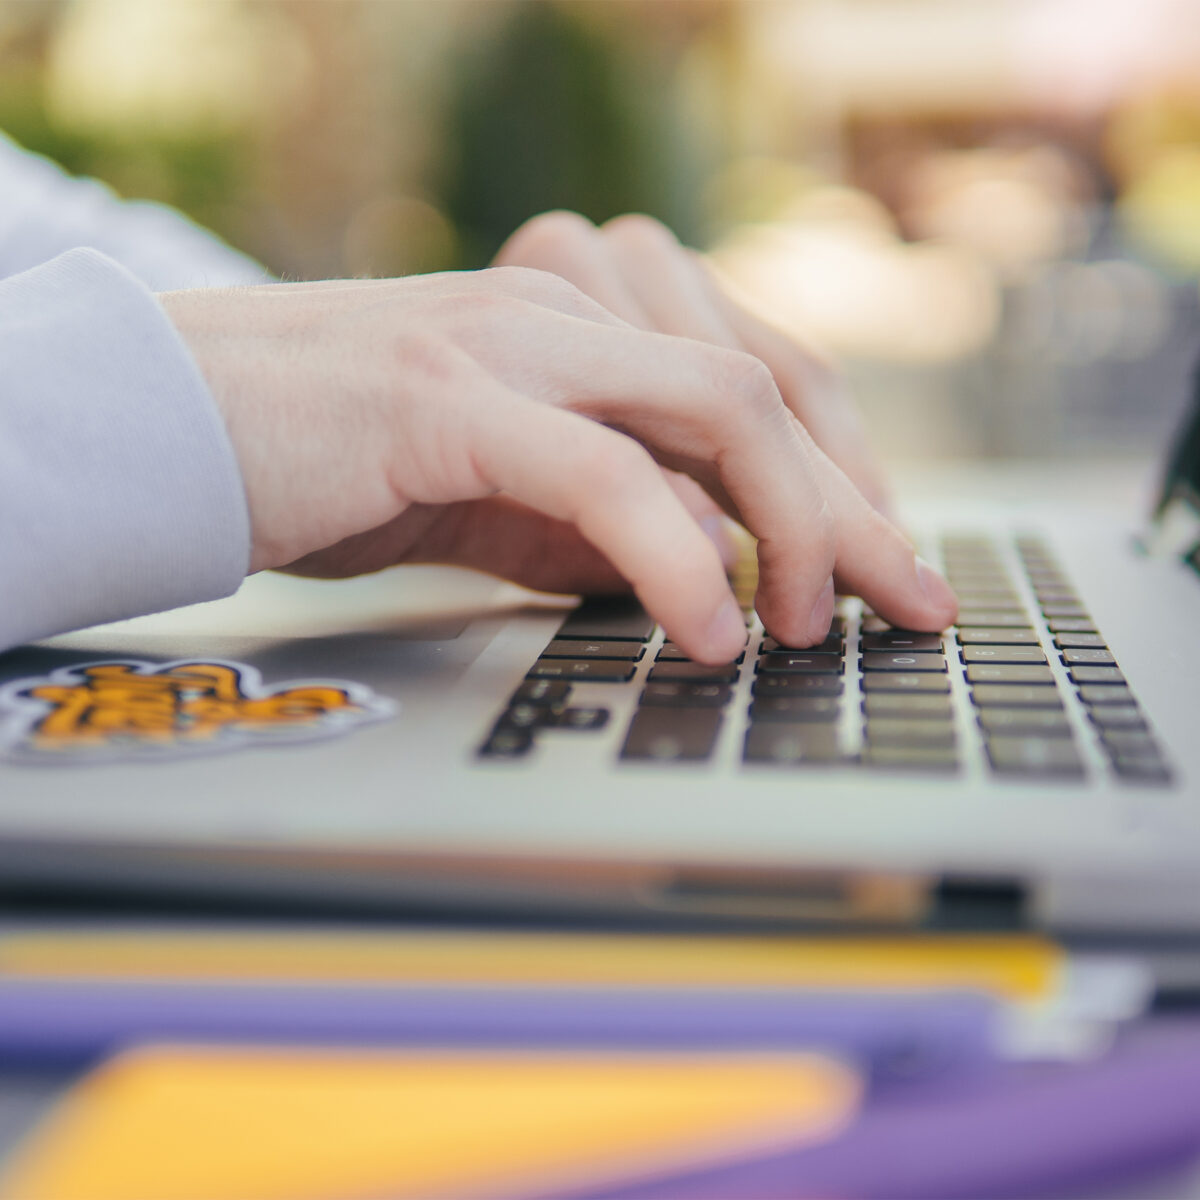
[[998, 618], [898, 731], [559, 648], [906, 704], [1097, 694], [795, 708], [1141, 768], [1096, 675], [669, 652], [507, 743], [618, 619], [1034, 756], [1062, 611], [902, 640], [883, 660], [589, 669], [672, 734], [1089, 655], [1007, 673], [1129, 741], [800, 662], [1003, 654], [583, 718], [1069, 641], [978, 564], [542, 691], [661, 694], [1047, 580], [874, 624], [975, 636], [831, 645], [1071, 625], [894, 681], [1059, 597], [813, 685], [1012, 695], [918, 758], [691, 672], [791, 745], [981, 579], [1117, 716], [1025, 722], [528, 716], [972, 598], [980, 582], [981, 576]]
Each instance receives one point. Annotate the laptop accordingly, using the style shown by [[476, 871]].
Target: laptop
[[431, 740]]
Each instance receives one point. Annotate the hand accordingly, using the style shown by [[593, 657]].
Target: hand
[[504, 420], [636, 267]]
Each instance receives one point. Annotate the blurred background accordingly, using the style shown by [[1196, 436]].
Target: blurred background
[[987, 210]]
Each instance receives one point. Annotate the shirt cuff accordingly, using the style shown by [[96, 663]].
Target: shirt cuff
[[120, 492]]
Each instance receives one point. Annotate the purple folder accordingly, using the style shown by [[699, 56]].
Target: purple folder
[[898, 1036], [1023, 1132]]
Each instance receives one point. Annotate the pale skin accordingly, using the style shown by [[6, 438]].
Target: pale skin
[[573, 418]]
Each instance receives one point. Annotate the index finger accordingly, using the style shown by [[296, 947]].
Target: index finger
[[877, 562], [810, 388]]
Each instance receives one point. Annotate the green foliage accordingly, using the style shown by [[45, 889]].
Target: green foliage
[[195, 172], [554, 116]]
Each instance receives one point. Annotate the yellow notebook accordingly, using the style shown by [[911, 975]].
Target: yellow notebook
[[218, 1123], [1015, 967]]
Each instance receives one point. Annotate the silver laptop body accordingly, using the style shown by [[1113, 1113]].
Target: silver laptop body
[[396, 807]]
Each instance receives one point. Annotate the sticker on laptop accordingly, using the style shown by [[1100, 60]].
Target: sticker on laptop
[[130, 710]]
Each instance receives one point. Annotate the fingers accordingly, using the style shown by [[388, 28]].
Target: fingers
[[707, 514], [876, 561], [504, 537], [570, 246], [667, 281], [811, 389], [718, 416], [471, 358], [636, 268], [609, 488]]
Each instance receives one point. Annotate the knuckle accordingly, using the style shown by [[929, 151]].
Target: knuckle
[[618, 464], [509, 279], [558, 224], [431, 359], [642, 232], [535, 286], [545, 239], [749, 381]]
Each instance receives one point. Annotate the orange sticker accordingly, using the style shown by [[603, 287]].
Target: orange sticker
[[134, 710]]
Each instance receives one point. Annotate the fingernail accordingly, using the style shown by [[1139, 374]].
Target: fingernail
[[727, 633], [936, 590], [717, 532], [822, 613]]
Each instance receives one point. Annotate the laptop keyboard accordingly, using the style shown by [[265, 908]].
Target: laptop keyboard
[[1025, 685]]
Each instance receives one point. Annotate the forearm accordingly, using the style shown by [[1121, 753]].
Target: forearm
[[119, 491]]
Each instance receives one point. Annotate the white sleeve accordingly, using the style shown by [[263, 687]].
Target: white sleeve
[[44, 212], [120, 492]]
